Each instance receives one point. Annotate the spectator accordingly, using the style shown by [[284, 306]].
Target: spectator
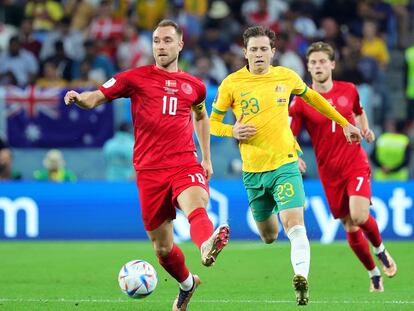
[[134, 50], [102, 66], [222, 16], [373, 45], [62, 62], [391, 153], [54, 168], [27, 40], [105, 26], [85, 80], [343, 11], [71, 39], [82, 12], [330, 33], [402, 16], [203, 70], [45, 14], [19, 62], [264, 12], [6, 164], [147, 14], [287, 57], [6, 32], [11, 12], [50, 77], [118, 155]]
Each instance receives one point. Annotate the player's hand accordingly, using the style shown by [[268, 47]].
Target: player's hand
[[368, 134], [302, 165], [352, 133], [243, 131], [208, 168], [72, 97]]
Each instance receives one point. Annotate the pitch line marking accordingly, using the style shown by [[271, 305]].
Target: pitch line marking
[[221, 301]]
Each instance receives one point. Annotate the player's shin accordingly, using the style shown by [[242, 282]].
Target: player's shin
[[300, 250], [174, 264], [371, 231], [360, 246], [201, 227]]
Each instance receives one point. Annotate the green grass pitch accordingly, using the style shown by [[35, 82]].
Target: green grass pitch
[[247, 276]]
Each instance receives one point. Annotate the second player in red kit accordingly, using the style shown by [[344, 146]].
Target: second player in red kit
[[343, 168], [168, 173]]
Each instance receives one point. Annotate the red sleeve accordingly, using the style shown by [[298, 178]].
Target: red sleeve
[[117, 87], [201, 93], [295, 112], [357, 108]]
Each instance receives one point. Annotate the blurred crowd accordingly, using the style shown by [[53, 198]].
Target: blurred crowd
[[82, 43]]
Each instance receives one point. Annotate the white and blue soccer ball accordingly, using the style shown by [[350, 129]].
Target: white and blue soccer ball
[[137, 279]]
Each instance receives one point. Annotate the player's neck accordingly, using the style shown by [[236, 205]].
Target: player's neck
[[173, 67], [260, 71], [322, 87]]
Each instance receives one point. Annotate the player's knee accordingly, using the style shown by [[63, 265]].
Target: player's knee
[[162, 251], [269, 238], [201, 201], [359, 219]]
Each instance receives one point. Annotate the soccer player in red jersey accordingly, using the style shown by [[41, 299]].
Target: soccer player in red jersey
[[165, 158], [343, 168]]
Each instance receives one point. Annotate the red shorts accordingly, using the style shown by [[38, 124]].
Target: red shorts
[[337, 192], [159, 189]]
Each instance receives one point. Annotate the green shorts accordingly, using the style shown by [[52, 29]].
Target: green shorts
[[273, 191]]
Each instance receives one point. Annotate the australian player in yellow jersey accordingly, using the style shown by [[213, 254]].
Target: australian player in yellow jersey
[[259, 96]]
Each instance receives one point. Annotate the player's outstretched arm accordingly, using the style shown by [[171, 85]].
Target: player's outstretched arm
[[202, 129], [317, 101], [85, 100]]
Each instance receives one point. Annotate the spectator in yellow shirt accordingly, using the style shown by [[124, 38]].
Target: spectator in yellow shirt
[[373, 45]]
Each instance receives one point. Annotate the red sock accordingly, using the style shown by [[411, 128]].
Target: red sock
[[371, 231], [201, 227], [359, 245], [174, 264]]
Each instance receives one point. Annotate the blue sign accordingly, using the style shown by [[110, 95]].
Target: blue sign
[[102, 210]]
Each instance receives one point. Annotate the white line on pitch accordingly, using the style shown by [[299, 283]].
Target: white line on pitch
[[63, 300]]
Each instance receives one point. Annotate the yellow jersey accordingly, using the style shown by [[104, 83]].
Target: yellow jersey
[[263, 100]]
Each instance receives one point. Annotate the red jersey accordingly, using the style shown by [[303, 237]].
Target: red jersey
[[336, 158], [161, 114]]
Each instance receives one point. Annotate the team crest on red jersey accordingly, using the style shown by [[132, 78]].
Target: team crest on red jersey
[[187, 88], [342, 101]]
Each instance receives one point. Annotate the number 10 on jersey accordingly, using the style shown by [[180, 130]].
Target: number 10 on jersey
[[169, 105]]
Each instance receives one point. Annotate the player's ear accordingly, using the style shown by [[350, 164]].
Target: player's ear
[[333, 65], [273, 51], [245, 53], [181, 44]]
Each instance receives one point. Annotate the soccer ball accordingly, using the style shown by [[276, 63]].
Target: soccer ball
[[137, 279]]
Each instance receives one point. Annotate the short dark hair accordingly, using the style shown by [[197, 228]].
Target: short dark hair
[[259, 31], [321, 46], [400, 125], [3, 144], [169, 22]]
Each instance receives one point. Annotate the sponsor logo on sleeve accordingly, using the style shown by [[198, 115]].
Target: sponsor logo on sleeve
[[109, 83]]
